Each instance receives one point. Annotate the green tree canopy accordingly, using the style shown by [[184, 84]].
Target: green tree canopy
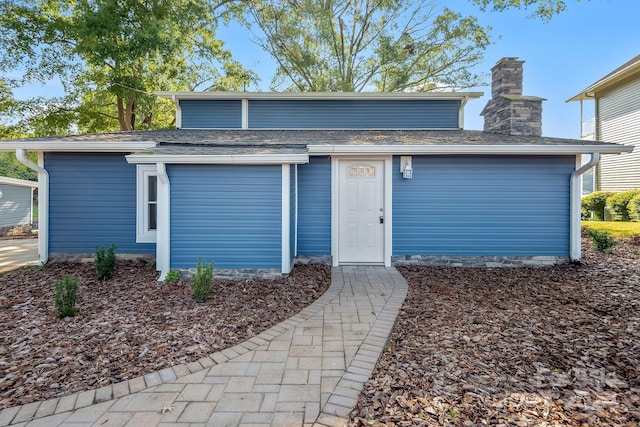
[[109, 54], [544, 9], [356, 45]]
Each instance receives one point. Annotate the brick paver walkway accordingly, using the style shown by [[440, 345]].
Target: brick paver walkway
[[305, 371]]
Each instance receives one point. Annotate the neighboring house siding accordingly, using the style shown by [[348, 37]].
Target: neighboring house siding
[[619, 122], [314, 207], [15, 205], [92, 202], [211, 114], [483, 206], [228, 214], [353, 114]]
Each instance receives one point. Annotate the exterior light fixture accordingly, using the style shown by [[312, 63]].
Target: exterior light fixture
[[405, 167]]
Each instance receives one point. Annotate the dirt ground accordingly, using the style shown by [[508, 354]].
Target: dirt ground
[[556, 346], [129, 326]]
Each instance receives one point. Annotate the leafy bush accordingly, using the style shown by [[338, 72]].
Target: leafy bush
[[105, 262], [66, 291], [634, 208], [602, 241], [618, 204], [172, 276], [202, 281], [595, 203]]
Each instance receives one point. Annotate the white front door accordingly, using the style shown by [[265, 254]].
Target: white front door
[[361, 211]]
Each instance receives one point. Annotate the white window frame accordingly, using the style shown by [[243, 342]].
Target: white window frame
[[143, 234]]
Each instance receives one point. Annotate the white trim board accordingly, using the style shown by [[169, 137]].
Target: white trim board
[[143, 234], [388, 197], [510, 149], [249, 159], [318, 95], [65, 145]]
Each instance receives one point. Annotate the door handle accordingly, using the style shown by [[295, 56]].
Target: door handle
[[381, 220]]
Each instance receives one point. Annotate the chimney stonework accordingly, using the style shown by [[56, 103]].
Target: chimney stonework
[[508, 111]]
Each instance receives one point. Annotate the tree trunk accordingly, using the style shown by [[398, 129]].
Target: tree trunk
[[121, 116], [127, 114]]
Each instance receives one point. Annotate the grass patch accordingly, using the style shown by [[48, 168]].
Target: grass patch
[[615, 228]]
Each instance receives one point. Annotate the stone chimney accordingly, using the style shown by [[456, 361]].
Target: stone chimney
[[508, 111]]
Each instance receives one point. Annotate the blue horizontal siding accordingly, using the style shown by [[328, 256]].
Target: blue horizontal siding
[[92, 202], [228, 214], [314, 207], [211, 114], [353, 114], [483, 205]]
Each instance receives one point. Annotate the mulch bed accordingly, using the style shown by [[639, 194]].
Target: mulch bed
[[130, 325], [556, 346]]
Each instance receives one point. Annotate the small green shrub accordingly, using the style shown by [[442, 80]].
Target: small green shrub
[[595, 203], [634, 208], [172, 276], [618, 204], [66, 291], [202, 281], [105, 262], [602, 241]]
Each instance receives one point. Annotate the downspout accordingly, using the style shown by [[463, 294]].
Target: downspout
[[43, 204], [575, 247], [163, 247]]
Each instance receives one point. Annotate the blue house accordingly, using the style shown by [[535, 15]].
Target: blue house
[[254, 181]]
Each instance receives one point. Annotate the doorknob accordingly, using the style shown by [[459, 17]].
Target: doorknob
[[381, 220]]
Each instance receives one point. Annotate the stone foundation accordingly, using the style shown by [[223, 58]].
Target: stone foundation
[[90, 257], [237, 273], [479, 261], [318, 259]]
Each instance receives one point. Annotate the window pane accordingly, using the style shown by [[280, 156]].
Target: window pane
[[153, 188], [152, 216]]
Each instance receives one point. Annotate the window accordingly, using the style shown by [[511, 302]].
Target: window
[[147, 209]]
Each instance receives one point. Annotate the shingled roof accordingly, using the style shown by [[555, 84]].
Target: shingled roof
[[211, 141]]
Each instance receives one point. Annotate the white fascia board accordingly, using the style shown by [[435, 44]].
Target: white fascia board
[[319, 95], [70, 146], [466, 149], [249, 159]]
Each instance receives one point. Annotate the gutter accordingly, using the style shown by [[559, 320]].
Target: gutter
[[43, 204], [575, 246]]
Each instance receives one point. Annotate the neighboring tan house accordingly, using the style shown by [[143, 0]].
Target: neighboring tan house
[[617, 119], [256, 181], [16, 201]]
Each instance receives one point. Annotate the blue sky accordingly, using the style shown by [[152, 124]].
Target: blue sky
[[562, 57]]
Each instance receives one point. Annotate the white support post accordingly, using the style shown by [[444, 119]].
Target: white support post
[[286, 219], [575, 190], [163, 244]]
